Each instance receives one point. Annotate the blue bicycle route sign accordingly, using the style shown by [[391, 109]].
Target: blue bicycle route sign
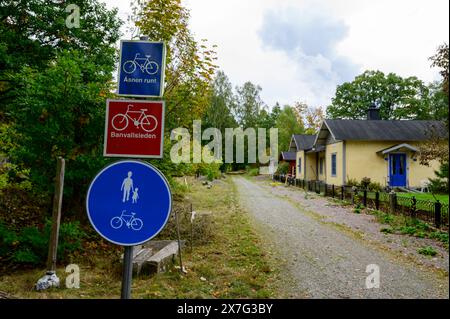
[[141, 68], [129, 202]]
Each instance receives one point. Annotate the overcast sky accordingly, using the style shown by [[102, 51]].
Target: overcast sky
[[299, 50]]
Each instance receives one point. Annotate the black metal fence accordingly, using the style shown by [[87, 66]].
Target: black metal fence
[[433, 212]]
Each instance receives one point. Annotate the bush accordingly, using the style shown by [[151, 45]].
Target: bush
[[365, 182], [21, 207], [283, 168], [352, 182], [427, 251], [253, 171], [439, 184], [375, 187], [30, 245], [211, 170]]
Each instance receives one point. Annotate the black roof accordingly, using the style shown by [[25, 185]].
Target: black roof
[[288, 156], [303, 141], [384, 130]]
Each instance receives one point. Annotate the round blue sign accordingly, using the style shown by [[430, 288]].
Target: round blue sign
[[129, 202]]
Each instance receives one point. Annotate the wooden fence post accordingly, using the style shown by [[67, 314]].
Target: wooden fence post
[[377, 200], [365, 198], [56, 215], [437, 214], [413, 207], [392, 202], [332, 190], [342, 192]]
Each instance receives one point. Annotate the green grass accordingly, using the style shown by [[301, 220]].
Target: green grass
[[233, 264], [409, 226], [443, 198], [427, 251]]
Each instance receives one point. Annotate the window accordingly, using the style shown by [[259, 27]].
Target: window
[[333, 164], [321, 165], [299, 165]]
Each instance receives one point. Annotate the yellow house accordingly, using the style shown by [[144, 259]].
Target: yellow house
[[300, 143], [386, 151]]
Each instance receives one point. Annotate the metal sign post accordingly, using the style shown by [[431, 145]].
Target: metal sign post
[[127, 274], [128, 203]]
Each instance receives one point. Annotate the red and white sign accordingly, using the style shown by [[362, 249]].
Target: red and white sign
[[134, 128]]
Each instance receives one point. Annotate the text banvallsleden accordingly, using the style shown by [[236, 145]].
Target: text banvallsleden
[[133, 135]]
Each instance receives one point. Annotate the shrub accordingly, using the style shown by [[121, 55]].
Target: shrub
[[30, 245], [283, 168], [440, 183], [365, 182], [210, 170], [357, 209], [410, 230], [352, 182], [427, 251], [375, 187], [253, 171]]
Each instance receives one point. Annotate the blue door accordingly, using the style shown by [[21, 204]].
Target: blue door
[[397, 169]]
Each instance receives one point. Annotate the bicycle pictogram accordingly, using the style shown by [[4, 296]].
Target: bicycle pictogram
[[147, 122], [128, 219], [144, 64]]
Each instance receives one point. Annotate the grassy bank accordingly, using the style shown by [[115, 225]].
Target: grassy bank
[[230, 265], [443, 198]]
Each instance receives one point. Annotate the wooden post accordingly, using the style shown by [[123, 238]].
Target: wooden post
[[413, 207], [377, 200], [56, 215], [365, 198], [392, 202], [192, 231], [342, 192], [437, 214], [332, 190], [179, 241]]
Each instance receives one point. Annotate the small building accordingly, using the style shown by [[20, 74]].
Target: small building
[[386, 151], [288, 157], [300, 143]]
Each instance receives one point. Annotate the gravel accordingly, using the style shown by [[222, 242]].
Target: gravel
[[325, 260]]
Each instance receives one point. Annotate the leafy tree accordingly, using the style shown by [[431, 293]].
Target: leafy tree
[[221, 104], [436, 148], [249, 104], [33, 32], [268, 119], [53, 85], [190, 65], [397, 97], [311, 117], [59, 113], [440, 60], [288, 124]]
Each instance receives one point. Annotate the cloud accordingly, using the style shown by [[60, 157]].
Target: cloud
[[309, 38]]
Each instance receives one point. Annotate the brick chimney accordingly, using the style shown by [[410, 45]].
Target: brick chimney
[[373, 113]]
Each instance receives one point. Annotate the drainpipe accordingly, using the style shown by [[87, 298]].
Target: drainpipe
[[344, 173]]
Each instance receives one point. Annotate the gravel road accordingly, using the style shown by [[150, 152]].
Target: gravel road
[[324, 261]]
